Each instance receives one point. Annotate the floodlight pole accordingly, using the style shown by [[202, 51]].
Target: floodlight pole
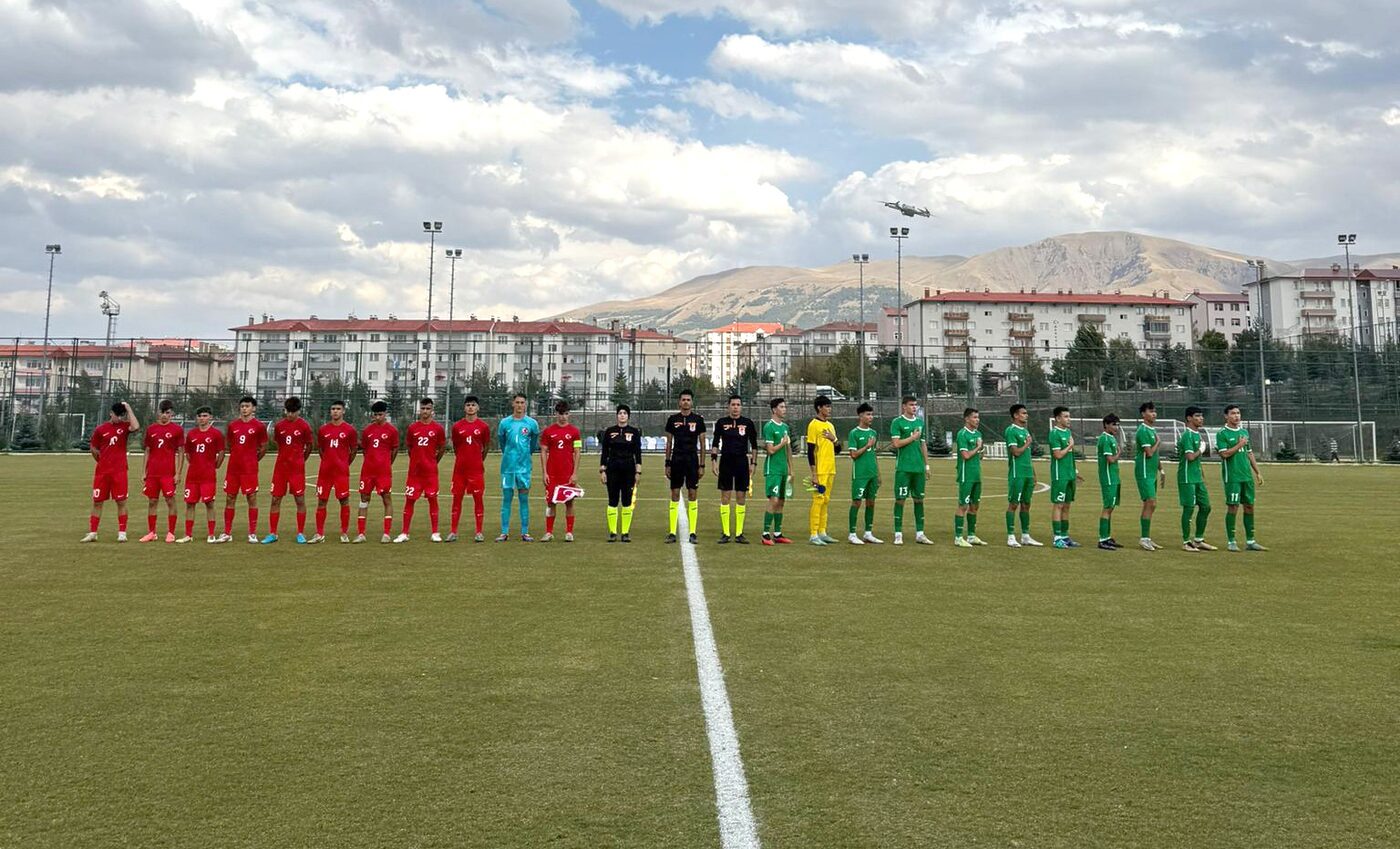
[[1346, 240], [860, 260], [453, 254], [899, 234], [1258, 266], [52, 251], [432, 228]]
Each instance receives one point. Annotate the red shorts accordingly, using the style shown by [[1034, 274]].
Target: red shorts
[[107, 485], [158, 486], [421, 486], [235, 483], [337, 484], [470, 482], [197, 491], [376, 483], [549, 485], [292, 481]]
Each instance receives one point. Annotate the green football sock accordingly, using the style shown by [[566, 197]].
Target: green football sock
[[767, 522], [852, 515], [1055, 528], [1230, 526], [1186, 524], [1064, 527], [972, 524], [957, 526], [1202, 514], [1011, 523], [1025, 521], [1249, 527], [919, 516], [1105, 530], [869, 518], [778, 523], [898, 516], [1146, 526]]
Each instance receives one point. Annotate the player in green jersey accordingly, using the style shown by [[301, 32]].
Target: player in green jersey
[[969, 446], [862, 444], [777, 447], [1108, 453], [1240, 473], [910, 468], [1020, 477], [1063, 477], [1190, 484], [1147, 471]]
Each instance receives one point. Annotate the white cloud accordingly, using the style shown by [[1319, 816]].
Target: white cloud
[[726, 101]]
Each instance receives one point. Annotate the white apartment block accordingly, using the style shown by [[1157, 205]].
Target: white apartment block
[[995, 327], [150, 366], [282, 356], [1226, 313], [727, 350], [1330, 301], [827, 339]]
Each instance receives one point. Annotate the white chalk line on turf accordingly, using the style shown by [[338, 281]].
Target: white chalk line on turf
[[737, 829]]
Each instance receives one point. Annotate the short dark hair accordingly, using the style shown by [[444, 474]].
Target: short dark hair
[[425, 402], [167, 406], [685, 392], [864, 408], [470, 399], [1111, 418], [623, 408], [821, 401], [292, 404], [1229, 407], [379, 407], [520, 395], [119, 407], [967, 411], [338, 403], [1193, 411], [561, 407], [1016, 408], [248, 399], [1055, 413], [773, 404], [1145, 406], [203, 411], [907, 398], [736, 398]]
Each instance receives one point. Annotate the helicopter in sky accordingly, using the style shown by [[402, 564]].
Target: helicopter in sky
[[906, 209]]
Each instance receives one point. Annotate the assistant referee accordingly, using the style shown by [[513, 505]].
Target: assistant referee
[[733, 453]]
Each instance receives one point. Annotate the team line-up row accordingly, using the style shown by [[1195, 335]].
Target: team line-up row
[[172, 454]]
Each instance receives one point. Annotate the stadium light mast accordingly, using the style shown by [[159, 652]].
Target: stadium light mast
[[899, 234], [861, 260], [432, 228], [53, 251], [1258, 266], [1346, 240], [111, 309], [453, 254]]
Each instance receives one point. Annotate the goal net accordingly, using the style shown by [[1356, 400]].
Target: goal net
[[1318, 441]]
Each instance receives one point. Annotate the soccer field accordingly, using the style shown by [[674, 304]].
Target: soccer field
[[505, 695]]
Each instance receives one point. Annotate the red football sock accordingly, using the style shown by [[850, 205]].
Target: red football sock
[[121, 523], [274, 518], [92, 523], [320, 521], [549, 523], [478, 510], [252, 520], [408, 507], [569, 523], [433, 514], [228, 520], [361, 524], [151, 522], [456, 512], [345, 520], [170, 523], [211, 527], [189, 528], [301, 521], [388, 523]]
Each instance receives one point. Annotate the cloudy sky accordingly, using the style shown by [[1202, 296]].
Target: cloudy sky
[[207, 159]]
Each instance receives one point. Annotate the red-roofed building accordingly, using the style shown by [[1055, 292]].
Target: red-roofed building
[[1327, 301], [728, 349], [142, 365]]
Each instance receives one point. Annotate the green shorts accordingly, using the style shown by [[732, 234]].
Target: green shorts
[[1193, 495], [909, 484], [1020, 490], [970, 492], [775, 485], [864, 489], [1239, 492], [1147, 488], [1062, 492], [1112, 494]]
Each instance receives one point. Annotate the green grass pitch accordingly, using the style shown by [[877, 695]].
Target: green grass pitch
[[526, 696]]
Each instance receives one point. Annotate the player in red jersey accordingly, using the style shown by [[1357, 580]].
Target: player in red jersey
[[247, 443], [164, 460], [294, 439], [336, 443], [471, 439], [204, 454], [379, 442], [561, 444], [108, 446], [427, 440]]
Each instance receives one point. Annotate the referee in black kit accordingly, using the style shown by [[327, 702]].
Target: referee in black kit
[[620, 467], [733, 453], [685, 464]]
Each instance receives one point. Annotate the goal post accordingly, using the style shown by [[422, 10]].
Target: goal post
[[1322, 441]]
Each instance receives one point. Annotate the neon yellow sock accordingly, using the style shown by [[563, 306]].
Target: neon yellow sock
[[612, 520], [692, 514], [724, 519], [672, 514], [627, 520], [739, 519]]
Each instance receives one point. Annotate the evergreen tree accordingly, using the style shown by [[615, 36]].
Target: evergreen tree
[[1087, 358]]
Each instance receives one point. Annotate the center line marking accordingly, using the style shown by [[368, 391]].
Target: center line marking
[[737, 829]]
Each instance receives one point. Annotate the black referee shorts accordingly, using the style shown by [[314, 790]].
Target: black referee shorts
[[684, 472], [622, 483], [733, 472]]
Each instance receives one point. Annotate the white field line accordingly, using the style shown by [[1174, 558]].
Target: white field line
[[737, 829]]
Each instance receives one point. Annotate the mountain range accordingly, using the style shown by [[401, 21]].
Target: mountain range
[[1077, 262]]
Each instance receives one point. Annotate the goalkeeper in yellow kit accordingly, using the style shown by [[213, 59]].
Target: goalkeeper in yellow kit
[[822, 446]]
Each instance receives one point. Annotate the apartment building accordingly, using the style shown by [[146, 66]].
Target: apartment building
[[1329, 301], [158, 367], [1227, 313]]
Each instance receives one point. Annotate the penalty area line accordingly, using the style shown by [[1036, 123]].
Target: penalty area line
[[737, 829]]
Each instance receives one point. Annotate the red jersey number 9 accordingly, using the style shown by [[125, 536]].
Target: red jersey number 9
[[242, 438]]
